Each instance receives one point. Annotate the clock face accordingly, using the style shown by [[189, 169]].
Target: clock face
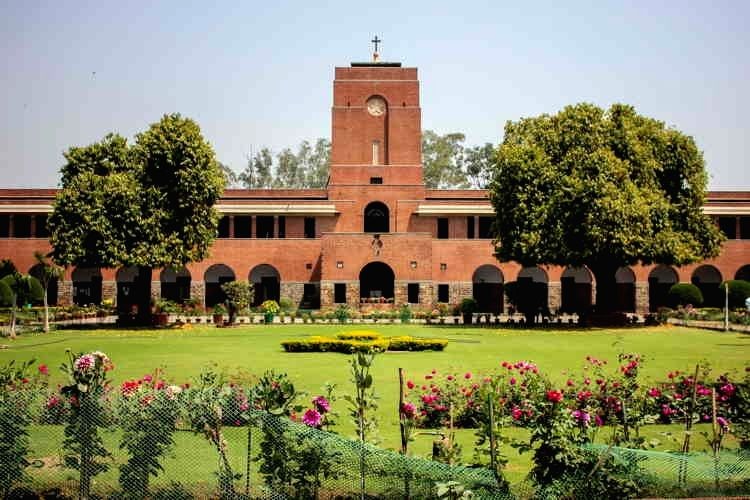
[[376, 106]]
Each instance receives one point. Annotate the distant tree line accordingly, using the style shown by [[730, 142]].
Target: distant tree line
[[447, 162]]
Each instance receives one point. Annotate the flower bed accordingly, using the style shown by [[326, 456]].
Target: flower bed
[[363, 341]]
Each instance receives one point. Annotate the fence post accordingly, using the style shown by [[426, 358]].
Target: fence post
[[249, 457]]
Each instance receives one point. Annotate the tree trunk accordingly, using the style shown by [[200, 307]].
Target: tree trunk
[[606, 287], [144, 295], [14, 298], [46, 312]]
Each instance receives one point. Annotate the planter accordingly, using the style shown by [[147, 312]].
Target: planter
[[161, 319]]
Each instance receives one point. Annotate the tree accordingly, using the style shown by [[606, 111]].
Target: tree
[[23, 290], [288, 171], [7, 267], [239, 296], [318, 164], [443, 159], [479, 161], [259, 170], [49, 273], [603, 189], [149, 205], [231, 179]]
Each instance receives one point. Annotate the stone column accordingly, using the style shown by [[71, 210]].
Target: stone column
[[293, 290], [155, 290], [641, 297], [460, 290], [400, 292], [198, 291], [352, 294], [326, 294], [109, 291], [427, 292], [554, 295], [64, 293]]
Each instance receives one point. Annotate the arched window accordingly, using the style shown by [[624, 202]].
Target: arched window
[[376, 281], [266, 282], [377, 218], [487, 289]]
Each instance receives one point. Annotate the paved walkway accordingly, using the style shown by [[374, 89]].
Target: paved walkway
[[709, 325]]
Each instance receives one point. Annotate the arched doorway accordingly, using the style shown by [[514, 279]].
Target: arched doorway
[[660, 280], [487, 289], [530, 294], [575, 285], [707, 278], [376, 280], [266, 284], [133, 290], [175, 284], [743, 273], [87, 286], [377, 218], [625, 289], [215, 276], [37, 271]]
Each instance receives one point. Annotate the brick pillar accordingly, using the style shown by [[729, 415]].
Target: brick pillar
[[10, 226], [198, 291], [64, 293], [156, 290], [253, 226], [275, 227], [231, 226], [554, 295], [32, 226], [641, 297], [593, 293]]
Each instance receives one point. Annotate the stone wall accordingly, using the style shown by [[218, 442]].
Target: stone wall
[[554, 296], [198, 291], [109, 291]]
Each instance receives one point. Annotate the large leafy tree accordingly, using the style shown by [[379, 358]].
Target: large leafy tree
[[147, 205], [602, 189], [443, 159]]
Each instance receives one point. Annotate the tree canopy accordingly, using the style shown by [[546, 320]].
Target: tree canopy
[[150, 204], [601, 188]]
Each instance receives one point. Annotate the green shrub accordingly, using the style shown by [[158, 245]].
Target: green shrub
[[468, 306], [739, 290], [342, 313], [682, 294], [286, 305], [404, 313], [359, 335], [5, 294], [407, 343], [363, 342]]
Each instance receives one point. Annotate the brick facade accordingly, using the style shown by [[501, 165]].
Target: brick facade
[[375, 159]]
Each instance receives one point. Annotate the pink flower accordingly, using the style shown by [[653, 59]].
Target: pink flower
[[450, 377], [410, 384], [583, 395], [654, 392], [321, 404], [723, 423], [581, 417], [409, 410], [512, 381], [43, 370], [147, 378], [52, 402], [727, 390], [467, 375], [554, 396], [84, 364], [569, 383], [312, 418], [598, 421], [516, 413]]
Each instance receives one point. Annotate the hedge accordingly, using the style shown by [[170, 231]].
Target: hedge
[[348, 346], [682, 294], [359, 335]]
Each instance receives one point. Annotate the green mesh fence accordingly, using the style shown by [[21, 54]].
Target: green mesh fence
[[270, 457], [275, 458]]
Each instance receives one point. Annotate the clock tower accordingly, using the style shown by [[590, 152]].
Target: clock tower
[[376, 136]]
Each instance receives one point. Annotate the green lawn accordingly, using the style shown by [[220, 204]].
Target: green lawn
[[255, 348]]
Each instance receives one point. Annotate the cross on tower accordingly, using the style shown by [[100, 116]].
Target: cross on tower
[[376, 41]]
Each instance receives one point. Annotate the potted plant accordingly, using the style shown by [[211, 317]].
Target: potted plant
[[219, 312], [468, 307], [269, 308], [239, 295]]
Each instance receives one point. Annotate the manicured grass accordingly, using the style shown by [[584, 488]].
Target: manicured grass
[[255, 348]]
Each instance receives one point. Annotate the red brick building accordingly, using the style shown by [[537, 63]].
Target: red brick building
[[374, 231]]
